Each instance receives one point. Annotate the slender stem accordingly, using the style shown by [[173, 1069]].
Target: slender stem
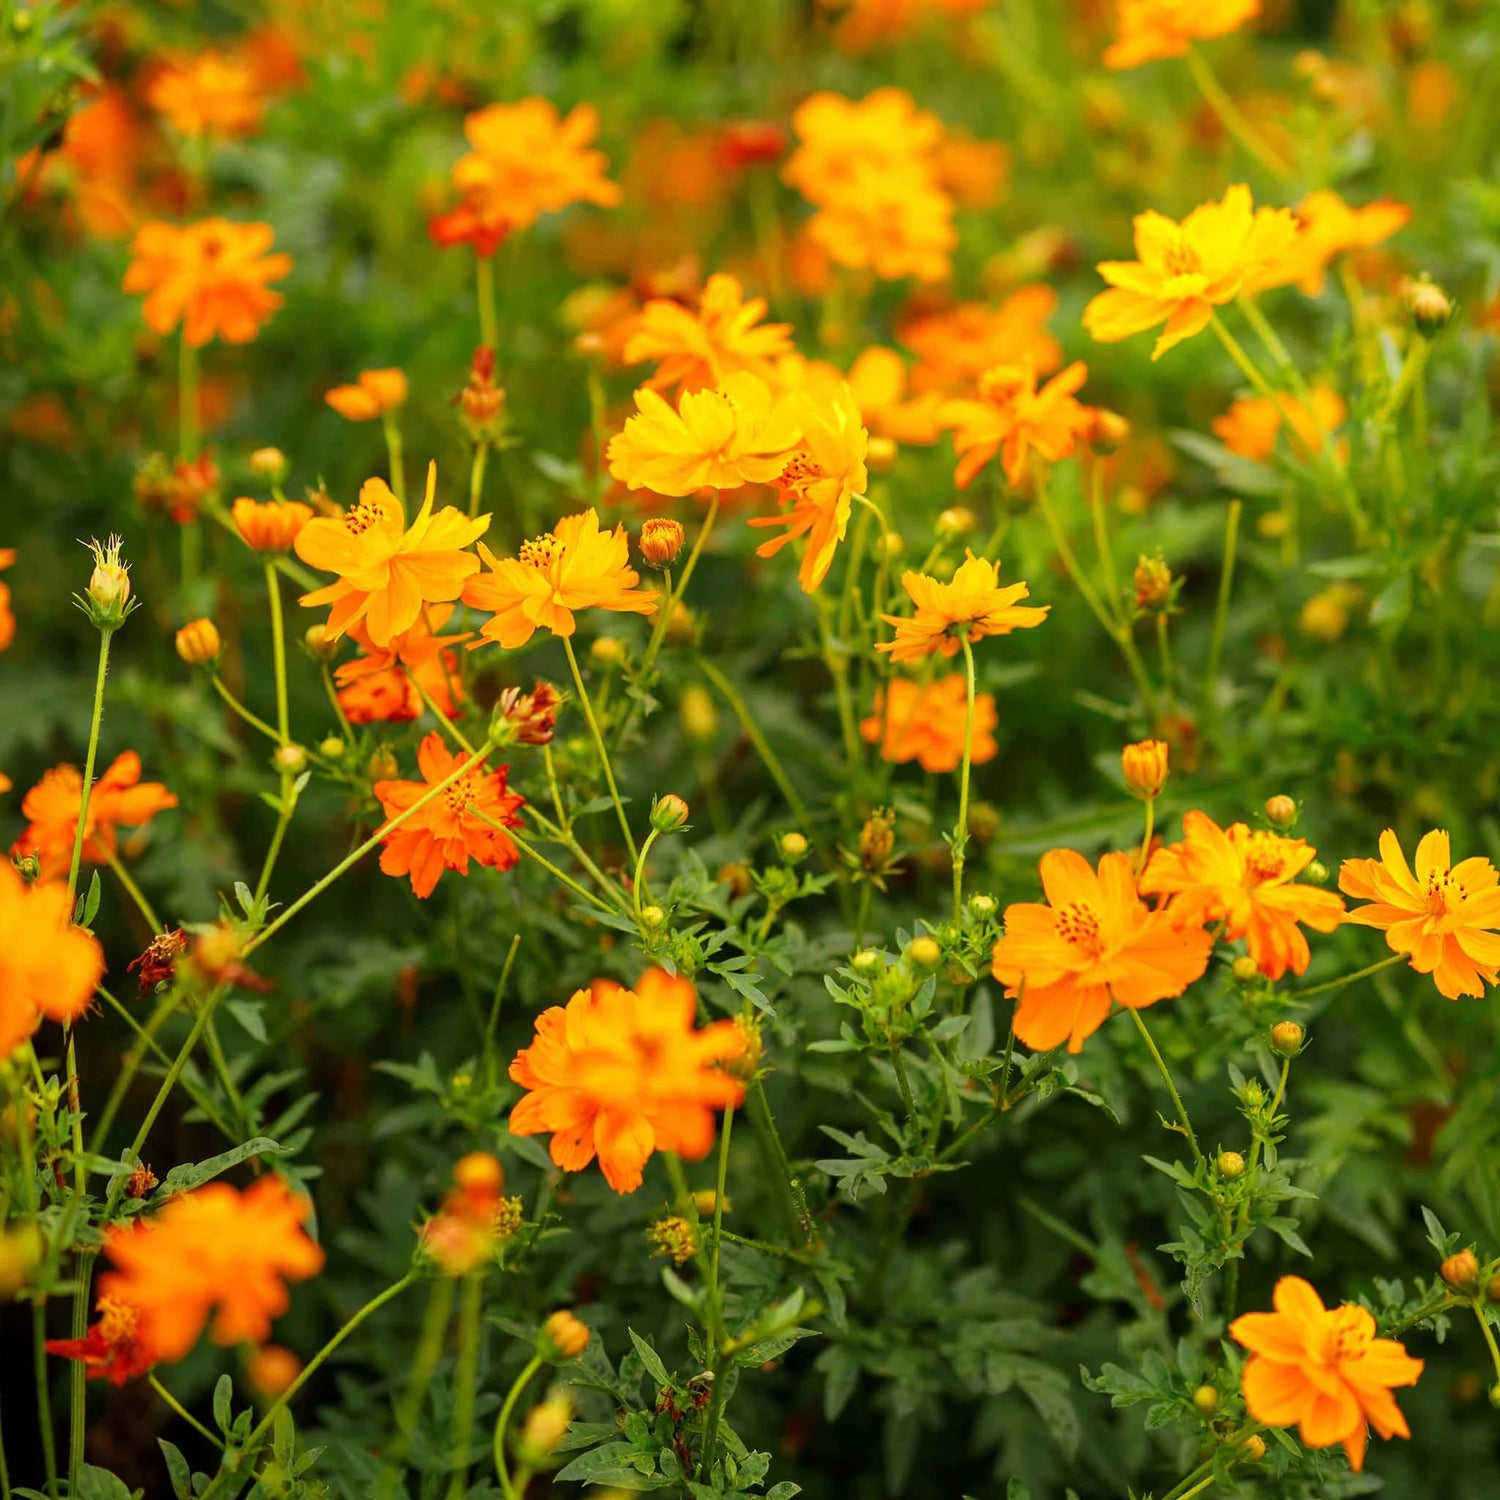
[[502, 1423], [429, 1352], [535, 854], [609, 774], [393, 449], [638, 881], [135, 893], [242, 711], [443, 721], [1145, 854], [1221, 611], [753, 733], [484, 287], [145, 1041], [720, 1186], [495, 1004], [333, 699], [1335, 984], [1229, 114], [961, 828], [476, 476], [1271, 340], [675, 596], [466, 1385], [1166, 1078], [187, 401], [903, 1084], [278, 653], [261, 1428], [43, 1391], [106, 633], [171, 1401]]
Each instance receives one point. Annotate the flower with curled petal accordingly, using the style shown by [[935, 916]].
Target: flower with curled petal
[[971, 605]]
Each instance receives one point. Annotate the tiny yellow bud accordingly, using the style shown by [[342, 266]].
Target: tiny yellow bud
[[1461, 1271], [983, 906], [1245, 969], [1281, 810], [1324, 617], [956, 521], [332, 748], [792, 846], [383, 765], [880, 457], [1144, 765], [1231, 1165], [607, 651], [1287, 1038], [1153, 584], [867, 961], [1254, 1448], [1316, 873], [268, 464], [1205, 1400], [924, 952], [319, 643], [1428, 305], [563, 1336], [669, 813], [290, 760], [654, 918], [108, 600], [544, 1428], [700, 719], [198, 643], [891, 545]]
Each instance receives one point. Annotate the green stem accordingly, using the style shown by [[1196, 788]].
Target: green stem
[[535, 854], [393, 449], [494, 1018], [106, 633], [753, 733], [135, 893], [1166, 1078], [638, 880], [425, 1362], [765, 1125], [43, 1390], [145, 1041], [961, 828], [278, 654], [609, 774], [676, 596], [466, 1385], [1145, 854], [1229, 114], [1221, 613], [502, 1423], [242, 711], [484, 287], [1335, 984], [476, 477], [182, 1412]]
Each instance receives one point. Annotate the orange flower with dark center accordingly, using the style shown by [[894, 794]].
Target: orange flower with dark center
[[820, 481], [384, 684], [269, 525], [207, 94], [1013, 418], [117, 798], [1093, 945], [574, 566], [375, 393], [972, 605], [1183, 271], [49, 969], [387, 570], [113, 1349], [621, 1073], [448, 832], [925, 722], [1150, 29], [214, 1253], [1248, 880], [699, 349], [1324, 1369], [210, 277], [1442, 917]]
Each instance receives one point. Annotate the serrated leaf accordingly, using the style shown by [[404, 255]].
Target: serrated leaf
[[651, 1359]]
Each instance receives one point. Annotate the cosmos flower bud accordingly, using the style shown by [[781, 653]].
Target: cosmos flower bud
[[1461, 1271], [332, 748], [890, 545], [383, 765], [1231, 1165], [1245, 969], [669, 814], [653, 918], [1108, 430], [1144, 766], [607, 651], [1281, 810], [108, 598], [527, 718], [1205, 1400], [563, 1336], [319, 643], [1153, 584], [924, 952], [1428, 306], [867, 961], [877, 839], [198, 643], [672, 1238], [661, 541], [1316, 873], [792, 847], [545, 1427], [983, 906], [290, 760], [1254, 1448], [881, 456], [268, 464], [680, 625], [20, 1254], [1287, 1037], [700, 719], [956, 521]]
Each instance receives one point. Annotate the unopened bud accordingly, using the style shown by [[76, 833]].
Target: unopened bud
[[983, 906], [1254, 1448], [332, 748], [877, 840], [270, 1370], [880, 456], [680, 625], [108, 599], [1153, 584], [1108, 430], [1281, 810], [669, 813], [607, 651], [654, 918], [1144, 766], [383, 765], [198, 643], [867, 961], [1231, 1165], [1287, 1038], [563, 1336], [891, 545], [924, 952], [1461, 1271], [792, 847], [1428, 305], [1316, 873], [1245, 969], [700, 719], [289, 760], [661, 541], [268, 464], [956, 521], [319, 643], [545, 1427], [1205, 1400]]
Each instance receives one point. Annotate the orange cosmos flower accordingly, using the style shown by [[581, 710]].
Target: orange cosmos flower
[[213, 1252], [1324, 1369], [738, 434], [118, 797], [7, 617], [925, 722], [973, 605], [113, 1349], [207, 94], [1183, 271], [1248, 880], [210, 277], [269, 525], [956, 346], [574, 566], [1095, 943], [447, 833], [1012, 417], [1150, 29], [382, 684], [841, 140], [893, 220], [878, 383], [621, 1073], [1331, 228], [526, 162], [1442, 918], [375, 393], [699, 349], [387, 570], [1250, 426], [820, 480], [49, 969]]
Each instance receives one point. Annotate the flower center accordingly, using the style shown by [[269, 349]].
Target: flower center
[[364, 515], [541, 551], [1078, 924], [458, 796], [800, 471], [1264, 858], [117, 1320], [1349, 1336], [1443, 893], [1182, 260]]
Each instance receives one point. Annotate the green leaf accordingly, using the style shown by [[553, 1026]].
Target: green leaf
[[99, 1484], [651, 1359], [224, 1403], [195, 1174], [91, 901], [178, 1472]]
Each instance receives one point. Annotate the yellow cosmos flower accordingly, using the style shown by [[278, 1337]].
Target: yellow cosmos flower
[[388, 571], [721, 439], [1183, 271], [973, 605], [1330, 228]]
